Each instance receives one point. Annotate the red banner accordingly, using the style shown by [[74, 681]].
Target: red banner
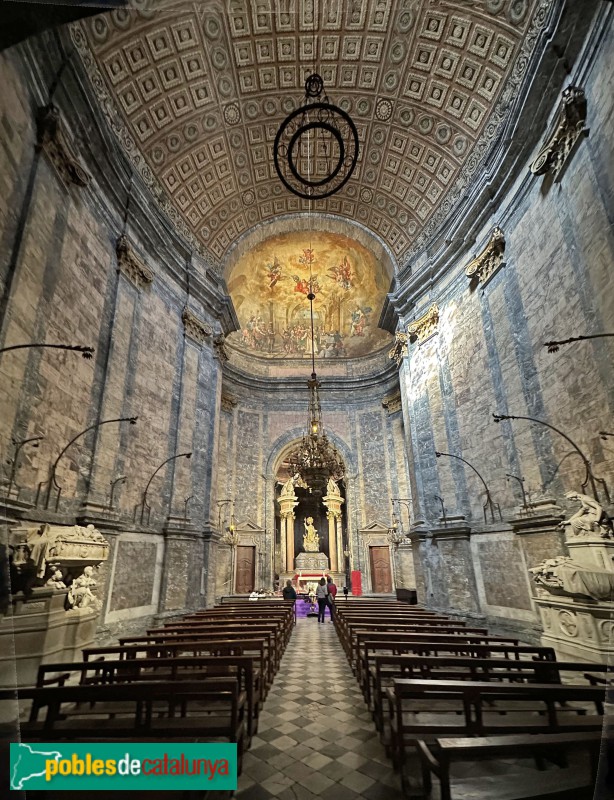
[[356, 580]]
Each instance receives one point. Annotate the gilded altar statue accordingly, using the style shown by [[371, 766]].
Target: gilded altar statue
[[311, 540]]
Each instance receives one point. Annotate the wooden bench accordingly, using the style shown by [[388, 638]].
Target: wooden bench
[[189, 711], [155, 645], [429, 710], [254, 648], [385, 669], [462, 635], [191, 668], [379, 644], [438, 756], [217, 629]]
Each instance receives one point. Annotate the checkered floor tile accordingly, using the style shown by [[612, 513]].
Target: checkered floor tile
[[315, 738]]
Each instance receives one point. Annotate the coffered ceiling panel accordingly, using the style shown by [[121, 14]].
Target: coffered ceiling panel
[[196, 93]]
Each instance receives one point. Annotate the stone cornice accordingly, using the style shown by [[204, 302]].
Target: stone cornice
[[425, 326], [195, 328], [485, 265], [131, 265]]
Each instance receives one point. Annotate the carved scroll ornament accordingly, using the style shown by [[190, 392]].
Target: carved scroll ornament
[[51, 138], [392, 403], [131, 265], [196, 328], [490, 260], [570, 128], [219, 342], [399, 349], [425, 326]]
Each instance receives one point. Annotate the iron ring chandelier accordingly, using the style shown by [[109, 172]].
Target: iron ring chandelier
[[316, 147]]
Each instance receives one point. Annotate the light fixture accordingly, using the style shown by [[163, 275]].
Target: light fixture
[[316, 459], [316, 147]]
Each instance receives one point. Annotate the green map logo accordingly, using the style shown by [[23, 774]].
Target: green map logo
[[109, 766], [28, 763]]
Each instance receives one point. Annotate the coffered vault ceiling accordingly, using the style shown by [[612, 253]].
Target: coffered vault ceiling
[[197, 90]]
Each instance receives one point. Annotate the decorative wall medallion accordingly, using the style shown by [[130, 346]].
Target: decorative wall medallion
[[425, 326], [51, 138], [489, 261], [570, 128], [399, 349], [568, 623], [195, 327], [131, 265]]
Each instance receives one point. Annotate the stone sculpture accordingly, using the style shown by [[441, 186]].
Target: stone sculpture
[[311, 540], [80, 594], [590, 521], [56, 580], [563, 576], [332, 489]]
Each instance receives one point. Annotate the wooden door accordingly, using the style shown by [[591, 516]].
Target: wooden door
[[381, 581], [246, 568]]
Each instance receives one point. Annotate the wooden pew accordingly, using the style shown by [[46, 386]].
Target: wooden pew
[[270, 654], [386, 669], [254, 648], [370, 645], [438, 756], [203, 711], [190, 668], [439, 634], [424, 711]]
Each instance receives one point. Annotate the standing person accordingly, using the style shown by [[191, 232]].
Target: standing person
[[332, 594], [289, 592], [321, 596]]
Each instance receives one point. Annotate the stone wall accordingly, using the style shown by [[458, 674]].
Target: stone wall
[[62, 280], [265, 420], [488, 356]]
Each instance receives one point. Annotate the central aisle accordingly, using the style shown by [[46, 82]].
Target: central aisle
[[316, 737]]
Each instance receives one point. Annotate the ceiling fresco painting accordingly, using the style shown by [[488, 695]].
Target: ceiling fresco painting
[[196, 92], [270, 284]]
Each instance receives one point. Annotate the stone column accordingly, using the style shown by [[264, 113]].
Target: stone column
[[333, 504], [332, 539], [290, 541], [288, 503]]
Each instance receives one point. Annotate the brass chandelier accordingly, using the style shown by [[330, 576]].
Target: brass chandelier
[[316, 459]]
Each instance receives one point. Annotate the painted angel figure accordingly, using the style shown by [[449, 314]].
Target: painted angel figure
[[273, 272]]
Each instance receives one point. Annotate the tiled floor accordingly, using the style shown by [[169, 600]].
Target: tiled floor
[[315, 736], [316, 739]]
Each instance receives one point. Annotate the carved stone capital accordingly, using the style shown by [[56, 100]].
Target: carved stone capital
[[228, 402], [392, 403], [490, 260], [195, 327], [399, 349], [218, 345], [569, 128], [425, 326], [131, 265], [51, 137]]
